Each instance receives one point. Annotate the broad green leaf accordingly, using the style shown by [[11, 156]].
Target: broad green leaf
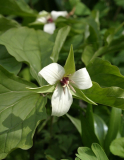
[[117, 147], [12, 7], [20, 112], [103, 112], [43, 89], [25, 74], [60, 40], [18, 154], [32, 2], [85, 153], [92, 35], [73, 2], [111, 96], [102, 7], [87, 53], [119, 3], [107, 75], [100, 129], [87, 125], [113, 33], [75, 40], [92, 39], [30, 46], [7, 24], [49, 157], [81, 9], [95, 14], [9, 62], [77, 158], [119, 58], [113, 129], [76, 122], [80, 95], [114, 46], [99, 152], [70, 63]]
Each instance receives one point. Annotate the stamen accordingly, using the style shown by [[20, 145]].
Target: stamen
[[68, 87], [43, 94], [72, 88], [72, 81]]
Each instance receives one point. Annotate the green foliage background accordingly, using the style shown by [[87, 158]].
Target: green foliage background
[[27, 130]]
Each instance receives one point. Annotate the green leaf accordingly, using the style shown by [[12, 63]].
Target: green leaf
[[70, 63], [81, 9], [85, 153], [92, 35], [107, 75], [7, 24], [43, 89], [9, 62], [25, 74], [95, 14], [30, 46], [113, 33], [80, 95], [113, 129], [20, 112], [100, 129], [18, 154], [49, 157], [87, 125], [76, 122], [102, 8], [87, 53], [12, 7], [99, 152], [114, 46], [77, 158], [117, 147], [111, 96], [75, 40], [60, 40], [119, 3]]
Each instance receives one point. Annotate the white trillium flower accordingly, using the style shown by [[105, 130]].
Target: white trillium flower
[[62, 97], [48, 20], [56, 14]]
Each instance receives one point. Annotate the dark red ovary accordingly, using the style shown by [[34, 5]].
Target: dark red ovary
[[50, 20], [64, 81]]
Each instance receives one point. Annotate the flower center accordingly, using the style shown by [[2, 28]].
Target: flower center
[[64, 81], [50, 20]]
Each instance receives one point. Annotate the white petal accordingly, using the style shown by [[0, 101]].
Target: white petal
[[56, 14], [61, 101], [82, 79], [41, 19], [49, 28], [43, 13], [52, 73]]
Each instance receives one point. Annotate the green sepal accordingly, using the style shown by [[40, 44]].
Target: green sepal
[[70, 63], [80, 95], [43, 89]]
